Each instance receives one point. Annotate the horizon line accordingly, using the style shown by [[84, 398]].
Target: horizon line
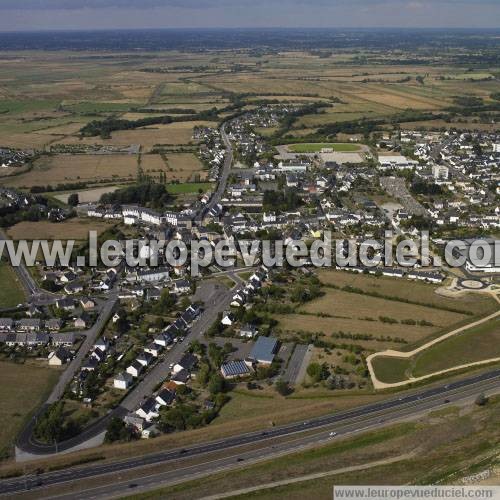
[[234, 28]]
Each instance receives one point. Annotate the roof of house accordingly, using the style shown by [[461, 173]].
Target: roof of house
[[188, 361], [166, 396], [264, 349], [124, 377]]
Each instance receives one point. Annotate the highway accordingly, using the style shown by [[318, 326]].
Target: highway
[[344, 423]]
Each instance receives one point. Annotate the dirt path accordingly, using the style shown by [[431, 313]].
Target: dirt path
[[377, 384], [310, 477]]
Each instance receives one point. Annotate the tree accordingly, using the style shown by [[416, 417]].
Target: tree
[[282, 387], [50, 426], [118, 431], [122, 325], [216, 384], [73, 199], [203, 374], [318, 372], [165, 302]]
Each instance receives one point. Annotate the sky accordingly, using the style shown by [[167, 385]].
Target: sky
[[20, 15]]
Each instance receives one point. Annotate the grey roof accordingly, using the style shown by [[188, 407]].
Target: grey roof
[[125, 377], [264, 349], [165, 396]]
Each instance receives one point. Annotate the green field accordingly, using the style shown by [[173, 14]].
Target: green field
[[100, 107], [11, 292], [22, 390], [477, 344], [189, 187], [317, 147], [390, 370]]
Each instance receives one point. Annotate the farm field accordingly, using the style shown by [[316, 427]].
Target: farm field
[[363, 306], [21, 383], [184, 167], [317, 147], [60, 169], [72, 229], [384, 335], [407, 290], [87, 195], [178, 133], [11, 292]]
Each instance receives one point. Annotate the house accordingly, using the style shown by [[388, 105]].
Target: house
[[150, 431], [181, 377], [63, 339], [134, 422], [234, 369], [66, 304], [145, 358], [182, 286], [162, 340], [53, 324], [34, 339], [165, 397], [153, 275], [6, 324], [187, 362], [98, 354], [248, 331], [153, 294], [147, 410], [123, 381], [74, 287], [83, 321], [264, 350], [90, 365], [101, 344], [153, 349], [135, 369], [87, 304], [59, 357], [29, 325], [227, 318]]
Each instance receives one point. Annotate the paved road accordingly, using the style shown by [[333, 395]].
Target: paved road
[[344, 423], [25, 442], [36, 295], [228, 162], [217, 299]]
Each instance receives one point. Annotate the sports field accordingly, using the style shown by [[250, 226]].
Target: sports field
[[317, 147]]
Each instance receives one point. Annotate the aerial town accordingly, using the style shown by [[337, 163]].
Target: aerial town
[[166, 363]]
